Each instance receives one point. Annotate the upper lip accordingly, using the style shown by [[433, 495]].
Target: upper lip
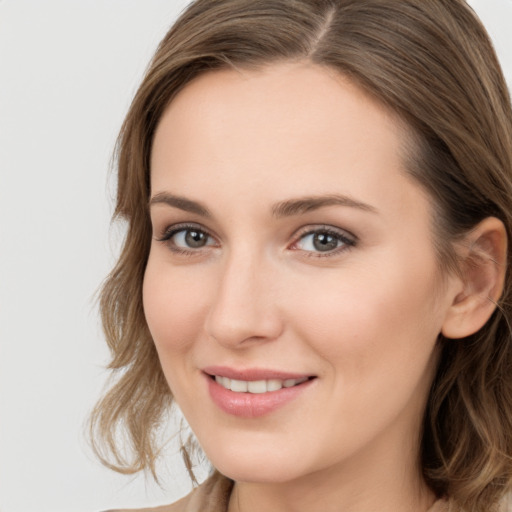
[[252, 374]]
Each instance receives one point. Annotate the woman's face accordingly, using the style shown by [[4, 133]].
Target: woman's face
[[290, 248]]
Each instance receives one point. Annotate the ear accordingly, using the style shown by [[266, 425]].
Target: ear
[[483, 265]]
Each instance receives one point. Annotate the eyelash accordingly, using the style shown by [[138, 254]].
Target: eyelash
[[347, 240], [171, 231]]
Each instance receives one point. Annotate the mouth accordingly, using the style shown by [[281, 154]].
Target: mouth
[[253, 393], [257, 386]]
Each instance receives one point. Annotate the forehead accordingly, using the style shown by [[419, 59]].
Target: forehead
[[287, 128]]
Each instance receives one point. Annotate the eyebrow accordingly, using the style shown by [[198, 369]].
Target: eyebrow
[[307, 204], [286, 208], [181, 203]]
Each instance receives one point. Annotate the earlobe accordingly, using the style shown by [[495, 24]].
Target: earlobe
[[483, 258]]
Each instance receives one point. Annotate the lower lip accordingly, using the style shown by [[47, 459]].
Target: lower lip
[[253, 405]]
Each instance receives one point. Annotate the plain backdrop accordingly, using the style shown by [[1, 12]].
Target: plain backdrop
[[68, 70]]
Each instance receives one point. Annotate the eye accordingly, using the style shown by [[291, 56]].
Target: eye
[[324, 240], [186, 238]]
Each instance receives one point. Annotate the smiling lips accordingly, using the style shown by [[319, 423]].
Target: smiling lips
[[257, 386], [253, 393]]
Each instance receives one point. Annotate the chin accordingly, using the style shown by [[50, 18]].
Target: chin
[[258, 466], [268, 473]]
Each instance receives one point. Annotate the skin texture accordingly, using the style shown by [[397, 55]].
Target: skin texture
[[363, 318]]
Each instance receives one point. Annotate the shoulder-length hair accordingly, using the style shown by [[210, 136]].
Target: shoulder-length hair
[[432, 63]]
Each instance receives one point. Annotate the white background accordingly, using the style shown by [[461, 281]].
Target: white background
[[68, 70]]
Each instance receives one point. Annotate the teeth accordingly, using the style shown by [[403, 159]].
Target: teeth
[[274, 385], [239, 386], [257, 386]]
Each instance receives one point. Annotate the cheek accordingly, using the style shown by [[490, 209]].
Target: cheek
[[174, 305], [377, 334], [372, 322]]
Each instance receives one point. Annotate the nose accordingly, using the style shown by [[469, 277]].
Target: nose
[[244, 308]]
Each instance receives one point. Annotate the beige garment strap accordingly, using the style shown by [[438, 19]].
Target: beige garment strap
[[440, 506], [211, 496]]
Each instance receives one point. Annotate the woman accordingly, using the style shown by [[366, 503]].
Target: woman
[[318, 196]]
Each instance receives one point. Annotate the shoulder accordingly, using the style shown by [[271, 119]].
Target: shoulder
[[439, 506], [211, 496], [506, 505], [447, 506]]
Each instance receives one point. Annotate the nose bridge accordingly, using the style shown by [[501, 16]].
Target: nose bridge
[[243, 307]]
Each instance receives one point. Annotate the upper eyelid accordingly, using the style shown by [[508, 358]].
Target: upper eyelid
[[314, 228], [172, 229]]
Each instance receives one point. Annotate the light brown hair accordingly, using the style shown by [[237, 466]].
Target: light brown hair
[[430, 62]]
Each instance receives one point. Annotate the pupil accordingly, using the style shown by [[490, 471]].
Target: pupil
[[324, 242], [195, 239]]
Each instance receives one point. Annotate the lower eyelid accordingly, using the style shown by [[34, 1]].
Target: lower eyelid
[[167, 239]]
